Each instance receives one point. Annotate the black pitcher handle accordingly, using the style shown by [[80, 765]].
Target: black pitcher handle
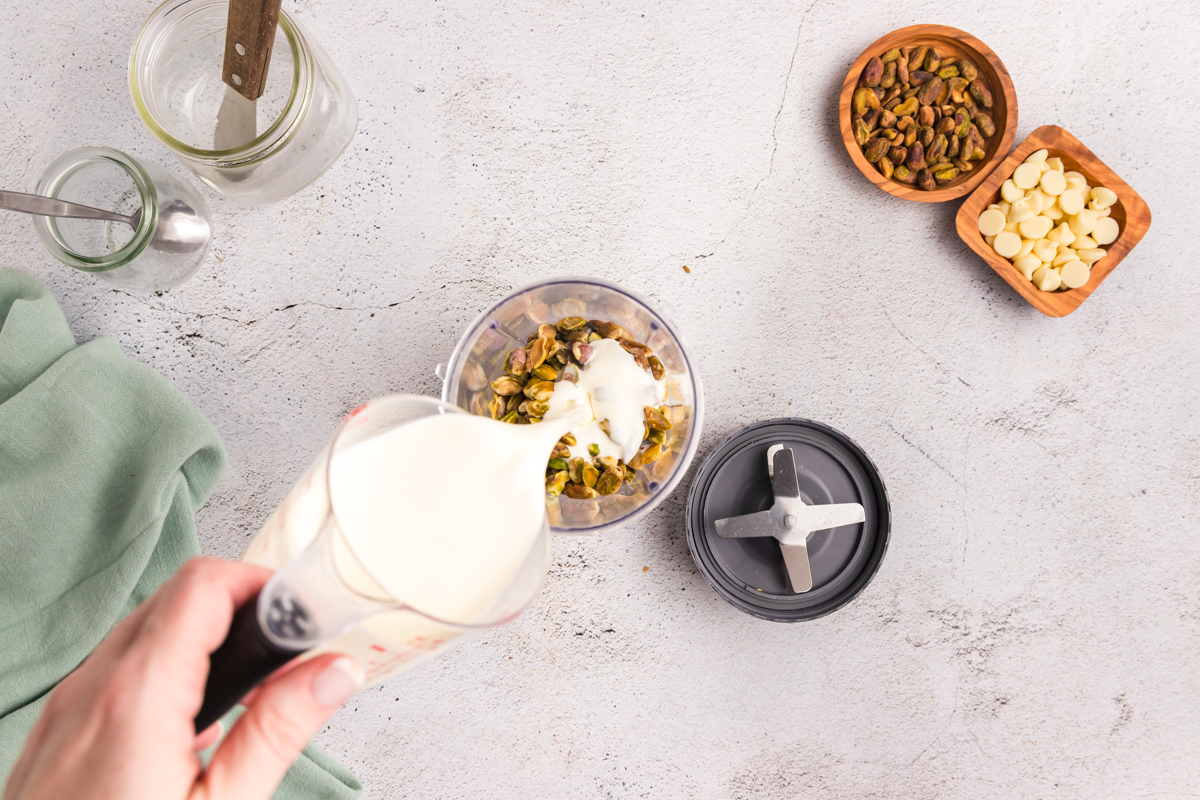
[[243, 661]]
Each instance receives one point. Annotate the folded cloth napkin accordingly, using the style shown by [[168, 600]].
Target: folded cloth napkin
[[102, 467]]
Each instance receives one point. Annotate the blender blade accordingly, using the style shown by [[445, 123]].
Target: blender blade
[[790, 520]]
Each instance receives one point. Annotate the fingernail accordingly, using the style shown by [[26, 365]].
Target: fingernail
[[337, 682]]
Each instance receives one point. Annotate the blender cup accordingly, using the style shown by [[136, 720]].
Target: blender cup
[[172, 235], [305, 118], [323, 598], [479, 358]]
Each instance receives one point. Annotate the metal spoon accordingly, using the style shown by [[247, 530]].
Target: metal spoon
[[180, 229], [52, 207]]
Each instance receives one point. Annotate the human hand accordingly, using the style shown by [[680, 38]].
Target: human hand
[[120, 726]]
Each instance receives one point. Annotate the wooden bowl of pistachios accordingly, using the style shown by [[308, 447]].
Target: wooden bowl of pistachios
[[927, 112]]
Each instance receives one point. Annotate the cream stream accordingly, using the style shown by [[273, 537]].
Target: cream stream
[[611, 386]]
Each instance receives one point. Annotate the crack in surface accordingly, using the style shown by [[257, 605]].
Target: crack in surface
[[917, 447], [298, 304], [85, 312], [774, 134], [917, 347], [248, 322]]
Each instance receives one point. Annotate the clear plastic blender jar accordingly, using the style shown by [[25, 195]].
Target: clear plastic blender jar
[[480, 355]]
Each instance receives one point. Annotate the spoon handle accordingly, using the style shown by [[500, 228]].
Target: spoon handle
[[51, 207]]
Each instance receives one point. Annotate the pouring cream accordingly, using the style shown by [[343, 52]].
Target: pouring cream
[[436, 540], [611, 386]]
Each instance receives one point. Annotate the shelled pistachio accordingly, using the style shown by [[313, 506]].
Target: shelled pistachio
[[922, 118], [556, 352]]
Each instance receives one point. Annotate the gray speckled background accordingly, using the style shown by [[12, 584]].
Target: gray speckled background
[[1033, 631]]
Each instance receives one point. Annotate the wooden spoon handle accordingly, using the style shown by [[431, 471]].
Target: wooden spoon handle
[[249, 36]]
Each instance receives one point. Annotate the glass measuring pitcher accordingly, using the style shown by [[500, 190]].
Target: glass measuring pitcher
[[305, 118], [324, 596]]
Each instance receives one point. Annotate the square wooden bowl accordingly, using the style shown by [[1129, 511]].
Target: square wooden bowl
[[949, 42], [1130, 211]]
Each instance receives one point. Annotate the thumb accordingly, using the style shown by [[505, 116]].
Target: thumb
[[286, 711]]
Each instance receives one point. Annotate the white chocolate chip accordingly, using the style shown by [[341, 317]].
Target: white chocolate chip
[[1037, 157], [1011, 192], [1026, 249], [1023, 209], [1045, 249], [1077, 181], [1028, 265], [1106, 231], [1090, 257], [1103, 197], [1041, 199], [1026, 176], [1084, 242], [1061, 235], [1074, 274], [1083, 223], [991, 222], [1063, 258], [1053, 212], [1071, 201], [1046, 279], [1036, 228], [1055, 164], [1007, 244], [1053, 183]]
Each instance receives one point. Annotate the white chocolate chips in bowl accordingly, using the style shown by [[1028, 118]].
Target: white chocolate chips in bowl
[[1050, 223]]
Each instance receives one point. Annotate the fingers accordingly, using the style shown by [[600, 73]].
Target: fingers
[[200, 591], [125, 632], [193, 610], [287, 710], [208, 736]]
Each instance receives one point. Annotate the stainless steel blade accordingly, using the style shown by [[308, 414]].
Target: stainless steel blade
[[795, 558], [790, 520], [816, 518], [781, 465], [747, 526]]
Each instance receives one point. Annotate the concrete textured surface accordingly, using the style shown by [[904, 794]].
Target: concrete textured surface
[[1035, 627]]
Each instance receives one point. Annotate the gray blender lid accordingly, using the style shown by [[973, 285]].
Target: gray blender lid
[[750, 572]]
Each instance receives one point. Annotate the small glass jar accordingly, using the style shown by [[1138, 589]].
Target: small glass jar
[[306, 116], [172, 236]]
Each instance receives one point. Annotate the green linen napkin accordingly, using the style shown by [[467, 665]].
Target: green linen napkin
[[102, 467]]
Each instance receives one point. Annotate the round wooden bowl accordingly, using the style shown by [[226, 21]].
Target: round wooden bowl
[[949, 42]]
